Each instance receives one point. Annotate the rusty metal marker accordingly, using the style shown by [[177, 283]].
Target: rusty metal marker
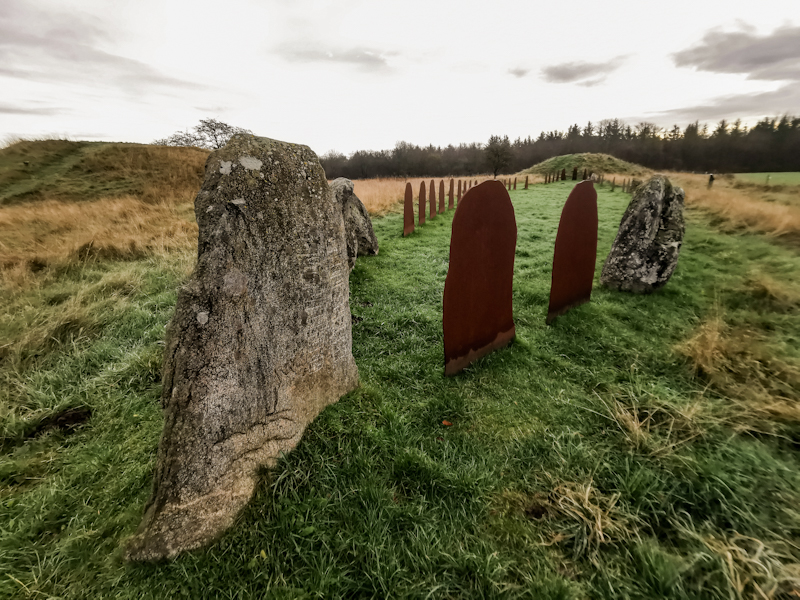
[[432, 199], [458, 197], [450, 195], [408, 211], [575, 252], [477, 315], [526, 182], [441, 196], [422, 203]]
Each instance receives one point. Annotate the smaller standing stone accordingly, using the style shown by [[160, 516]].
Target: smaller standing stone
[[645, 253], [358, 232]]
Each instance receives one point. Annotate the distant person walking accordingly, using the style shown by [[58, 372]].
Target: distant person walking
[[710, 180]]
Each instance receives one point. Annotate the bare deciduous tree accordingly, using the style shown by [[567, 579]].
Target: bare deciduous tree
[[209, 133]]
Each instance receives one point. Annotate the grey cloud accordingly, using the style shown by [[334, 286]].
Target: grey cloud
[[367, 59], [773, 57], [519, 72], [41, 46], [579, 71], [781, 101], [8, 109]]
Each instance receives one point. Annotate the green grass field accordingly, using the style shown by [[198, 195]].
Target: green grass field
[[587, 459], [792, 178]]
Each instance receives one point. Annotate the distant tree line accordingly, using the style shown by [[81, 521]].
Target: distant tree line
[[773, 144]]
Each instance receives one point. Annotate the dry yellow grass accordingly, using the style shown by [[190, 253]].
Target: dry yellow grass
[[763, 389], [385, 195], [52, 233], [754, 568], [741, 207]]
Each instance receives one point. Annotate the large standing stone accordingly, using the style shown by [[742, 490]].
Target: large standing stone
[[358, 232], [259, 344], [477, 313], [645, 252], [441, 196]]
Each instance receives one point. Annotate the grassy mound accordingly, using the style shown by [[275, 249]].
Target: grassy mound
[[592, 162], [75, 171]]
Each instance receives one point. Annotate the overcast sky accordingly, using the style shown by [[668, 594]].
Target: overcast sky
[[359, 74]]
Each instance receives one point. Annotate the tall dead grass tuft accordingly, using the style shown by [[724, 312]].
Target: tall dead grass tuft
[[655, 426], [35, 237], [764, 389], [752, 568], [771, 294], [741, 207], [578, 516], [587, 518]]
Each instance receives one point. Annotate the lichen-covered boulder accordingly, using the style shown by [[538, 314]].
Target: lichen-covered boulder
[[260, 342], [360, 236], [645, 252]]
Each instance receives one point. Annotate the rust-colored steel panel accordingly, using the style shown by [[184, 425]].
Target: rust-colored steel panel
[[422, 203], [432, 199], [458, 197], [477, 316], [575, 251], [450, 195], [515, 183], [408, 211], [441, 196], [526, 182], [574, 173]]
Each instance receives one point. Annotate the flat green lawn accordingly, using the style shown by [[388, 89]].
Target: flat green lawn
[[584, 460], [792, 178]]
